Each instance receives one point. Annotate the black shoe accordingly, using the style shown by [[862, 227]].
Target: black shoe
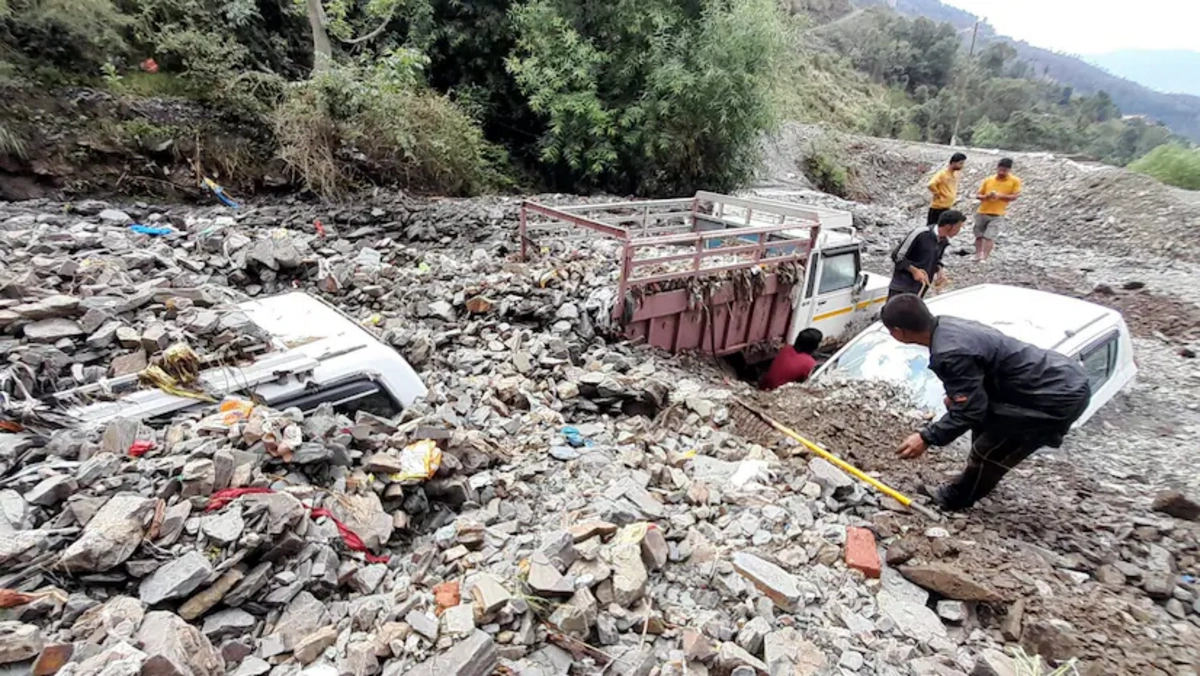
[[937, 495]]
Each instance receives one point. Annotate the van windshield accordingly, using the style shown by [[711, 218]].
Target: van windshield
[[876, 356]]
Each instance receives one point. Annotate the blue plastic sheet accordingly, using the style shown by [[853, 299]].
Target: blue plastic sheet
[[150, 230]]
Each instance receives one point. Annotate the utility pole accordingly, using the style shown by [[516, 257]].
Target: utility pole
[[962, 87]]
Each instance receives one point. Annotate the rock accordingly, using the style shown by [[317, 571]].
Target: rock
[[954, 612], [173, 646], [224, 528], [1177, 505], [111, 536], [490, 596], [176, 579], [949, 581], [423, 624], [591, 529], [911, 619], [900, 552], [1010, 628], [53, 307], [207, 599], [115, 217], [1110, 575], [544, 578], [1052, 640], [459, 620], [52, 490], [629, 576], [252, 666], [835, 482], [697, 647], [172, 523], [730, 656], [994, 663], [655, 551], [787, 652], [52, 659], [128, 338], [310, 647], [364, 515], [1159, 585], [861, 553], [52, 330], [128, 364], [302, 616], [368, 579], [752, 634], [851, 660], [227, 623], [776, 583], [19, 642], [475, 656]]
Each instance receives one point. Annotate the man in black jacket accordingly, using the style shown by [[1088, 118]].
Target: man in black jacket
[[1013, 397], [919, 261]]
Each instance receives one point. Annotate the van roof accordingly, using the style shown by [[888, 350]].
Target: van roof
[[1037, 317]]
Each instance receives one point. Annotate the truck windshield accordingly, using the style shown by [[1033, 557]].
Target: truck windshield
[[876, 356]]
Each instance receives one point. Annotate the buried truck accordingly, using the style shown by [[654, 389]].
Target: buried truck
[[305, 353], [717, 274]]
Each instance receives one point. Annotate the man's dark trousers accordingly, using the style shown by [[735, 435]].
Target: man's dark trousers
[[995, 450]]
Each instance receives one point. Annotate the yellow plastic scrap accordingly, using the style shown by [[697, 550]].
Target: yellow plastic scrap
[[182, 363], [154, 376], [373, 320], [634, 533], [419, 461]]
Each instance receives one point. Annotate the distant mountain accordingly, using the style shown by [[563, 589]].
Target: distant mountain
[[1180, 112], [1167, 70]]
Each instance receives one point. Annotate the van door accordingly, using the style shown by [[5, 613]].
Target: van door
[[832, 290], [1103, 360]]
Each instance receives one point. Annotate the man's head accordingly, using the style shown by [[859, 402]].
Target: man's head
[[957, 160], [950, 223], [808, 340], [1004, 168], [908, 320]]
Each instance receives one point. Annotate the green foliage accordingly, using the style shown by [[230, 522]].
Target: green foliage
[[69, 35], [826, 171], [649, 96], [11, 143], [898, 51], [1172, 164], [355, 125]]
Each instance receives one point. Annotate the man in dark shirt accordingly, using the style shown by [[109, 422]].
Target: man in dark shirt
[[921, 264], [794, 363], [1013, 397]]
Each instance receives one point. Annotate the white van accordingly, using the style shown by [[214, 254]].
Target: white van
[[1095, 335], [316, 355]]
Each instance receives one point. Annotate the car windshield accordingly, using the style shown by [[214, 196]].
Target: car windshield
[[877, 356]]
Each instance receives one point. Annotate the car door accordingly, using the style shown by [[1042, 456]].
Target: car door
[[1100, 360], [831, 290]]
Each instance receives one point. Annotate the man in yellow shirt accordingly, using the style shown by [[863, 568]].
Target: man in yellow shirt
[[944, 186], [994, 197]]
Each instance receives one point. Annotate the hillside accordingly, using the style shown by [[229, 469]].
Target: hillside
[[1167, 70], [1180, 112]]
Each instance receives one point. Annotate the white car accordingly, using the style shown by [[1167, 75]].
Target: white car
[[1095, 335], [317, 355]]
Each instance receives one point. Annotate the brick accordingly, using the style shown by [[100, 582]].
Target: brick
[[861, 553]]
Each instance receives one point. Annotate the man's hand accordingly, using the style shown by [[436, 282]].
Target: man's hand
[[919, 275], [913, 447], [993, 195], [939, 279]]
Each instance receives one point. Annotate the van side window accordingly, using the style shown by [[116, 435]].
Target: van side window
[[1099, 361], [839, 272]]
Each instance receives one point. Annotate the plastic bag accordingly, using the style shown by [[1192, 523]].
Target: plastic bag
[[419, 461]]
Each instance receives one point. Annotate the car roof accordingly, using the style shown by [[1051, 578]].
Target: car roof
[[298, 321], [1040, 318]]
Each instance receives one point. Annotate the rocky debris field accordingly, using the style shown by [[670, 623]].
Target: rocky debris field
[[581, 506]]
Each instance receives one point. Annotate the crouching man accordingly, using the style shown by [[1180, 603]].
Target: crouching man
[[1013, 397]]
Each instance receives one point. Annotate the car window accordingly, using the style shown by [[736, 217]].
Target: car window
[[1099, 362], [876, 356], [838, 272]]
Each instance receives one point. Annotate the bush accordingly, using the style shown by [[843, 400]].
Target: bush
[[1172, 164], [351, 126], [826, 172]]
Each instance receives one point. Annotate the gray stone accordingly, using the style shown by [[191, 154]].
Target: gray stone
[[115, 217], [22, 546], [489, 594], [1177, 505], [364, 515], [129, 338], [52, 330], [629, 576], [227, 623], [252, 666], [103, 336], [994, 663], [954, 612], [544, 578], [851, 660], [19, 642], [459, 620], [302, 616], [423, 624], [173, 646], [828, 476], [475, 656], [111, 536], [787, 652], [128, 364], [176, 579], [730, 656], [309, 648], [172, 524], [224, 528], [51, 490], [53, 307], [1157, 585], [367, 579], [98, 467], [773, 581], [911, 619], [949, 581], [752, 635], [119, 435]]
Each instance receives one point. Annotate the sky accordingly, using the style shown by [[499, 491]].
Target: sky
[[1089, 27]]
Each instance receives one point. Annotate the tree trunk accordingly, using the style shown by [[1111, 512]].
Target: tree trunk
[[322, 49]]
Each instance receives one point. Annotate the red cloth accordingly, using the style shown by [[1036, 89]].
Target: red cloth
[[789, 366]]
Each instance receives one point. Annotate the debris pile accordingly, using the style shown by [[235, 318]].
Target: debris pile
[[557, 504]]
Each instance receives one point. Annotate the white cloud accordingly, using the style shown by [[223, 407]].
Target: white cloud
[[1093, 26]]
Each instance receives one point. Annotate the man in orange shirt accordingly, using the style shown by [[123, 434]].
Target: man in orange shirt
[[994, 196], [944, 186]]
